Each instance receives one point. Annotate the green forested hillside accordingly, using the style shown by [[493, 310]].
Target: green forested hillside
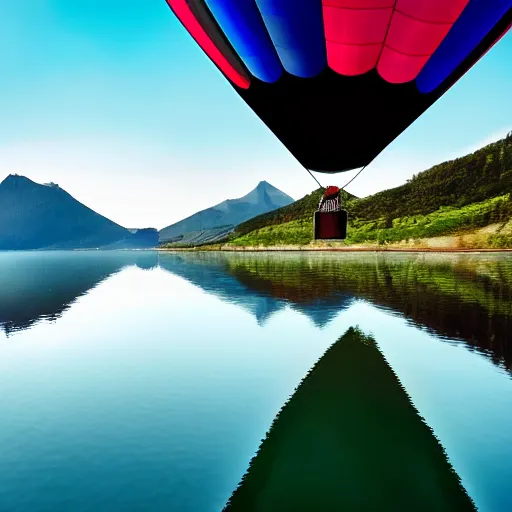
[[473, 178], [469, 192]]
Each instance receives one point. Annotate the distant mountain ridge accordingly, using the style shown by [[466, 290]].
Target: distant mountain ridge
[[226, 215], [36, 216]]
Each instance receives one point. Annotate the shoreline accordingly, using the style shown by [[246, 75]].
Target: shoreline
[[333, 249], [475, 241]]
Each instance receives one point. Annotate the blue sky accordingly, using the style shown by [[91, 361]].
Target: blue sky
[[113, 100]]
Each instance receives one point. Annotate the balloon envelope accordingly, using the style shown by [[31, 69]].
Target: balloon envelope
[[337, 80]]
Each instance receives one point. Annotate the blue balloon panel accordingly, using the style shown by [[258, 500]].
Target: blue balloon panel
[[475, 22], [297, 31], [243, 26]]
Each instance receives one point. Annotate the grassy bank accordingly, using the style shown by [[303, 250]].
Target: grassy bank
[[462, 228]]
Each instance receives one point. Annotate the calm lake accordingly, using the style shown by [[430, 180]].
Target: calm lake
[[138, 381]]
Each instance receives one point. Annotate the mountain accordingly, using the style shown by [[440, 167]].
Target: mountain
[[470, 192], [35, 216], [264, 198]]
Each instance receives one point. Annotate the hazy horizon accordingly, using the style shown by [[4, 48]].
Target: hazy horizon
[[117, 104]]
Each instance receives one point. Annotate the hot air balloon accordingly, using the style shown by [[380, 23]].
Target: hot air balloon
[[338, 80]]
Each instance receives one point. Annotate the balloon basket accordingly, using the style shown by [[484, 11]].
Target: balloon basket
[[330, 225]]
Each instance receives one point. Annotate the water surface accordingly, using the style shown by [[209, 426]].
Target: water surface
[[134, 380]]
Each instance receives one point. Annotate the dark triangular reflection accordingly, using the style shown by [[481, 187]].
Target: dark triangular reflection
[[350, 439]]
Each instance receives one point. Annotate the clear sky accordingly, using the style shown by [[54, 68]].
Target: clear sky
[[115, 102]]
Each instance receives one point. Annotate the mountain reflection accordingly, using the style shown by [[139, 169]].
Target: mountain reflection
[[350, 439], [251, 284], [463, 297], [37, 285]]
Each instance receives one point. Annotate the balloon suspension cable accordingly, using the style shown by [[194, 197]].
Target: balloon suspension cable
[[310, 173], [353, 178]]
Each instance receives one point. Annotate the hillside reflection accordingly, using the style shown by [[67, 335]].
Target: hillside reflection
[[350, 439], [462, 297]]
